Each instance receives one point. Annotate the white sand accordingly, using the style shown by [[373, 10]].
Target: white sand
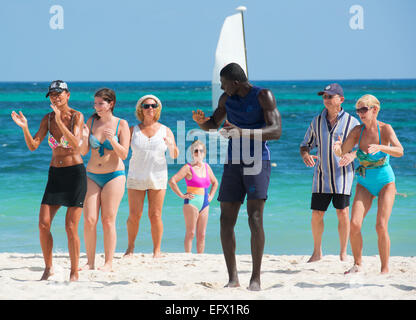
[[201, 277]]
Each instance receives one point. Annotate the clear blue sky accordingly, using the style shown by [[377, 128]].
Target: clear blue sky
[[152, 40]]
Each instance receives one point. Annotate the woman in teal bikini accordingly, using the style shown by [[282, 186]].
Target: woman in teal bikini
[[109, 141], [198, 176], [376, 141]]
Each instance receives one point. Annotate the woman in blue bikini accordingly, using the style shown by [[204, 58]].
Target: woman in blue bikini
[[109, 141], [376, 141]]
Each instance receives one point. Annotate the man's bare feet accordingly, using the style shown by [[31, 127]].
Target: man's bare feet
[[47, 273], [354, 269], [254, 285], [232, 284]]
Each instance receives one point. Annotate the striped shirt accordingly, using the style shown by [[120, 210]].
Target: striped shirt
[[328, 176]]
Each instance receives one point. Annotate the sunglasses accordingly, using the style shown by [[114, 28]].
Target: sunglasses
[[199, 150], [328, 96], [149, 105], [363, 109]]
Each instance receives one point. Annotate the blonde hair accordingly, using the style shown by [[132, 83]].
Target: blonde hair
[[197, 143], [139, 110], [369, 100]]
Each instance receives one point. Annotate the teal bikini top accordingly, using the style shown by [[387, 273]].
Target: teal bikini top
[[371, 161], [96, 144]]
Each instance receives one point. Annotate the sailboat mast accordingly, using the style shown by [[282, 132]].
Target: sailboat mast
[[242, 9]]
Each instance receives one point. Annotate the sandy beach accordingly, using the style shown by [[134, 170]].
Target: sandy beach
[[181, 276]]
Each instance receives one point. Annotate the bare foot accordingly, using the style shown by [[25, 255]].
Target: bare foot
[[343, 256], [87, 267], [315, 257], [106, 267], [129, 252], [232, 284], [73, 276], [254, 285], [47, 273], [157, 255], [354, 269], [384, 270]]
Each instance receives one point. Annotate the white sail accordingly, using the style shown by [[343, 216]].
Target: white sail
[[230, 48]]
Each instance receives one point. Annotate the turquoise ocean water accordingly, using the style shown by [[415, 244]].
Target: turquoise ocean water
[[23, 174]]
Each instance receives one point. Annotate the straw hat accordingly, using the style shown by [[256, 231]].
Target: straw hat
[[139, 112]]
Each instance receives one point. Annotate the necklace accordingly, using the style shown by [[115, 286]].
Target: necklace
[[199, 167]]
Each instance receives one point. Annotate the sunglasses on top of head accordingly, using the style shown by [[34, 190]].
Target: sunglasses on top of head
[[363, 109], [149, 105]]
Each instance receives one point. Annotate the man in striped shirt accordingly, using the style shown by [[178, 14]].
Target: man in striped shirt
[[333, 176]]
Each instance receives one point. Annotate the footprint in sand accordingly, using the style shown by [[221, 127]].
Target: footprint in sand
[[209, 285], [164, 283]]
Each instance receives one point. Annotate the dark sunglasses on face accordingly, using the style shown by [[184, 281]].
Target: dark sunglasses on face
[[199, 150], [363, 109], [149, 105], [328, 96]]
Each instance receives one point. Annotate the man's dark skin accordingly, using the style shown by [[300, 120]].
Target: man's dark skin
[[229, 210]]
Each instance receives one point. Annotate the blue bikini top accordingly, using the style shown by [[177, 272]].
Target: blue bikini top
[[367, 160], [95, 143]]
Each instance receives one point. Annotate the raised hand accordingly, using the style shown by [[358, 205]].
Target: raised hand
[[85, 132], [19, 119], [109, 134], [55, 109], [168, 141], [199, 116]]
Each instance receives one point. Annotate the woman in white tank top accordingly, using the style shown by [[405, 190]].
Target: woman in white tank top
[[148, 170], [148, 167]]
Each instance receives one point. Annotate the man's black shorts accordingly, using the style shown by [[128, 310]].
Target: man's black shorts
[[235, 184], [321, 201]]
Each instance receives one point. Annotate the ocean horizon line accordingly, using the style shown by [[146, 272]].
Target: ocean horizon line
[[209, 81]]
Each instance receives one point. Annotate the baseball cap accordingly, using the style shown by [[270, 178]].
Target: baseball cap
[[57, 86], [332, 89]]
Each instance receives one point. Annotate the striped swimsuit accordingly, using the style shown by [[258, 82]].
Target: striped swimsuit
[[199, 188]]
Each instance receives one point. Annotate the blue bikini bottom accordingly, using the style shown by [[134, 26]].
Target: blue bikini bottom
[[102, 178]]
